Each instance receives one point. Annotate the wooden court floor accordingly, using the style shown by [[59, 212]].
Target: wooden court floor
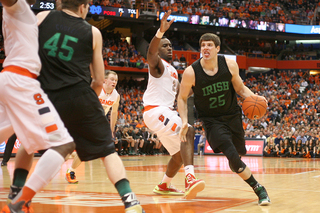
[[293, 185]]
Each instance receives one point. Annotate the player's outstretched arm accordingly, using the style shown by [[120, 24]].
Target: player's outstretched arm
[[97, 66], [188, 80], [153, 58]]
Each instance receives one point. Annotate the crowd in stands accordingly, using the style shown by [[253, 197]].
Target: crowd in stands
[[292, 115], [255, 48], [301, 10], [300, 52], [117, 52], [269, 49]]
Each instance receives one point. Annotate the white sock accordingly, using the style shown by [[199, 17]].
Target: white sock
[[189, 169], [166, 179], [48, 166]]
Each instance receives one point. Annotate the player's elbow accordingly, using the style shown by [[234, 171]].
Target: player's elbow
[[182, 98]]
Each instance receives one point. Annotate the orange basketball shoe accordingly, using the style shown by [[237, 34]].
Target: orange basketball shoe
[[193, 186], [71, 177], [163, 189]]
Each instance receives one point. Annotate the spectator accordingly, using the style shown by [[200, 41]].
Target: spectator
[[176, 62], [278, 139], [302, 137], [202, 142]]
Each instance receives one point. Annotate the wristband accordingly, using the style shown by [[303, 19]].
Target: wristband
[[159, 34]]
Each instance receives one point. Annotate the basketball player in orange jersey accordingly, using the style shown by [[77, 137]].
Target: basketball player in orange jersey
[[159, 116], [215, 80], [26, 110], [109, 98]]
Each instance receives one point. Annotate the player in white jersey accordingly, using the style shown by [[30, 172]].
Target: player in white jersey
[[26, 110], [109, 98], [159, 116]]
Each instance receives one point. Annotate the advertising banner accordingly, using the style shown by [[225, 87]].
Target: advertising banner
[[254, 147], [302, 29]]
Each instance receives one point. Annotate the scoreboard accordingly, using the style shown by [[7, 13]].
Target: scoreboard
[[114, 11]]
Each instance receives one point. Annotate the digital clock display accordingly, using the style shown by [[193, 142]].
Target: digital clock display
[[44, 5]]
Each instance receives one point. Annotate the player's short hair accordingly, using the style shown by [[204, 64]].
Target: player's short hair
[[110, 72], [73, 5], [210, 37]]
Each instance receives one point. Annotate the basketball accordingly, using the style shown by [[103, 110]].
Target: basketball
[[254, 107]]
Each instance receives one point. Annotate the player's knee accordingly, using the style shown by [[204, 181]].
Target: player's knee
[[70, 147], [235, 163], [237, 167], [65, 149], [191, 131], [177, 158]]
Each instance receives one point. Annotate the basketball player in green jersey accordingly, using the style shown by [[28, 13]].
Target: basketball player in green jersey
[[215, 81]]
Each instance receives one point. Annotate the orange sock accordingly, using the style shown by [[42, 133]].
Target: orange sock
[[26, 194]]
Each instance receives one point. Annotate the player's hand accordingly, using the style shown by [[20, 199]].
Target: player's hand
[[165, 25], [262, 98], [183, 133]]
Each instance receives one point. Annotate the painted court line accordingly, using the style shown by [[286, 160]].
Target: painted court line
[[304, 172]]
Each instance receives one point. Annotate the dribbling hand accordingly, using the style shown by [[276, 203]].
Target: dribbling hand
[[165, 25], [262, 98], [183, 133]]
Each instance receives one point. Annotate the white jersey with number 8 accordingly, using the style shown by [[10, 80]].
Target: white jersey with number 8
[[162, 91]]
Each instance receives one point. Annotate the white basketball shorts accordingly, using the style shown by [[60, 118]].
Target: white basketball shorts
[[26, 110], [167, 124]]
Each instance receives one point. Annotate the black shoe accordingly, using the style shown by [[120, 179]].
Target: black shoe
[[3, 163], [262, 194], [131, 203], [14, 190]]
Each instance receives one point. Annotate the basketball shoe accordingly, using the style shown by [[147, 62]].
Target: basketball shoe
[[262, 194], [14, 190], [163, 189], [71, 177], [193, 186], [19, 207], [131, 203]]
